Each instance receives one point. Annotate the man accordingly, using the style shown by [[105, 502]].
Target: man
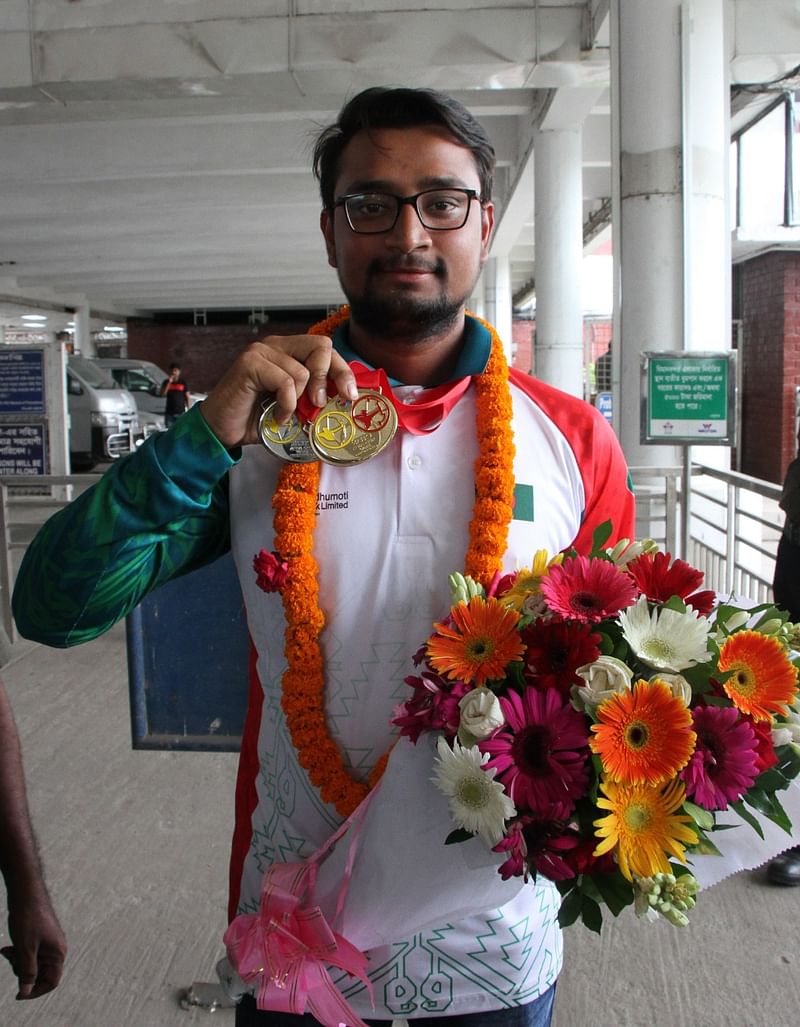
[[177, 392], [406, 179], [785, 869], [37, 949]]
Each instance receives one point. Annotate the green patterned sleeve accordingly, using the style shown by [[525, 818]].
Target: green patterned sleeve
[[156, 514]]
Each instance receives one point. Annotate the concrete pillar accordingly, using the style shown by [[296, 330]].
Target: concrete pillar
[[83, 332], [477, 303], [558, 243], [497, 293], [671, 236]]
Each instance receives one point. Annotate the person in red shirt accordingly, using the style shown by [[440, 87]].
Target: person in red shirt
[[177, 392]]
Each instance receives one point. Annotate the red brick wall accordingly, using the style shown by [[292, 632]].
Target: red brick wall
[[522, 341], [204, 352], [770, 358]]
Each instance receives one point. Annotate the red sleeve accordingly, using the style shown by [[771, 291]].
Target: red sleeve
[[606, 482]]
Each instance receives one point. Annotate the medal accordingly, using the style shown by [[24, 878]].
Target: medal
[[347, 433], [341, 433], [287, 441]]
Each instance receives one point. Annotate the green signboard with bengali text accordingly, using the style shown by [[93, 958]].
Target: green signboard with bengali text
[[689, 397]]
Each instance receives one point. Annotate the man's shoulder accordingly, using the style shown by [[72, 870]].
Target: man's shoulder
[[560, 406]]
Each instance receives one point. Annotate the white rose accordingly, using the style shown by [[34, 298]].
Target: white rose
[[781, 735], [480, 714], [677, 684], [605, 677]]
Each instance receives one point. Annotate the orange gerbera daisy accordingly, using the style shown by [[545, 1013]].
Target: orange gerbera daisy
[[763, 680], [477, 643], [643, 827], [644, 736]]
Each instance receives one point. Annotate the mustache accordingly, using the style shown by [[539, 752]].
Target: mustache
[[408, 263]]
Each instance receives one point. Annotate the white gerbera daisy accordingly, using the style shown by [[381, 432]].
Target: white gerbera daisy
[[478, 803], [666, 639]]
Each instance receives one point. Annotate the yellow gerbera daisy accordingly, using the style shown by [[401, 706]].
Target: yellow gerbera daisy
[[763, 680], [642, 827], [528, 580], [478, 643], [643, 736]]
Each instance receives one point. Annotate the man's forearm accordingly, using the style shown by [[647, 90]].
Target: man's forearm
[[158, 513]]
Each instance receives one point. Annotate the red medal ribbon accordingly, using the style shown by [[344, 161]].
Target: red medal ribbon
[[416, 418]]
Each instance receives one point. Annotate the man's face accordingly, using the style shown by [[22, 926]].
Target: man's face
[[410, 280]]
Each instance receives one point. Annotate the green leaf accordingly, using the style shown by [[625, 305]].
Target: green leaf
[[771, 780], [700, 816], [601, 535], [615, 891], [748, 817], [778, 815], [704, 846], [675, 603], [459, 835], [570, 908], [591, 915], [758, 800]]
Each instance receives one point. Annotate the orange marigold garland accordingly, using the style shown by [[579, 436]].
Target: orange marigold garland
[[295, 502]]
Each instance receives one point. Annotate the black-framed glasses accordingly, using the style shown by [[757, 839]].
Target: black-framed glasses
[[440, 210]]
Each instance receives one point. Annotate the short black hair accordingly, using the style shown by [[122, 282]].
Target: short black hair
[[384, 107]]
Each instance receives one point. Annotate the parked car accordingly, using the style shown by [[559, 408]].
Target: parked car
[[143, 379], [103, 417]]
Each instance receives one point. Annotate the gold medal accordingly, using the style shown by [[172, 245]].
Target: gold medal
[[346, 433]]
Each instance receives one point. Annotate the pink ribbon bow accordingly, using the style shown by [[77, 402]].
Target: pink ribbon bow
[[286, 948]]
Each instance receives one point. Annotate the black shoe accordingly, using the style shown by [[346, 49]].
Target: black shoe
[[785, 869]]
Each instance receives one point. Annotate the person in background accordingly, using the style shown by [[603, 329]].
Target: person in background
[[177, 392], [785, 869], [486, 460], [38, 948]]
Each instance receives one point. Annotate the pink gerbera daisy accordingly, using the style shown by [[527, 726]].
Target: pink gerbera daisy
[[554, 651], [659, 579], [724, 763], [587, 590], [541, 753]]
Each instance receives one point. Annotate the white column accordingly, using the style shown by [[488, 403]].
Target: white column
[[477, 303], [671, 240], [83, 332], [497, 294], [558, 230], [503, 319]]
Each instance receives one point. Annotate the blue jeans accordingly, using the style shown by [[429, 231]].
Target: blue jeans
[[534, 1014]]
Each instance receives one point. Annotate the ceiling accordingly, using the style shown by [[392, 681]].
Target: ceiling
[[155, 156]]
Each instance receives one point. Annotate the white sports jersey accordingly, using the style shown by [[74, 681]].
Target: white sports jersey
[[388, 533]]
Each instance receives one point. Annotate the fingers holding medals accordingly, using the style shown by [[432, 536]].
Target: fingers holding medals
[[283, 368]]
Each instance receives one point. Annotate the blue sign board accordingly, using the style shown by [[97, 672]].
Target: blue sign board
[[23, 448], [22, 381], [605, 404]]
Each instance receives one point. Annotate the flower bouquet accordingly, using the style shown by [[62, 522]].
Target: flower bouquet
[[599, 720]]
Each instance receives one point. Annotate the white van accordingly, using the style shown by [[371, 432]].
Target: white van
[[103, 417], [143, 379]]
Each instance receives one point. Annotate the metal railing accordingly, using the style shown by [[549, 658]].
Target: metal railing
[[735, 523]]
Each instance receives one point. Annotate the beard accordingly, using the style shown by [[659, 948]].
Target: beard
[[404, 315]]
